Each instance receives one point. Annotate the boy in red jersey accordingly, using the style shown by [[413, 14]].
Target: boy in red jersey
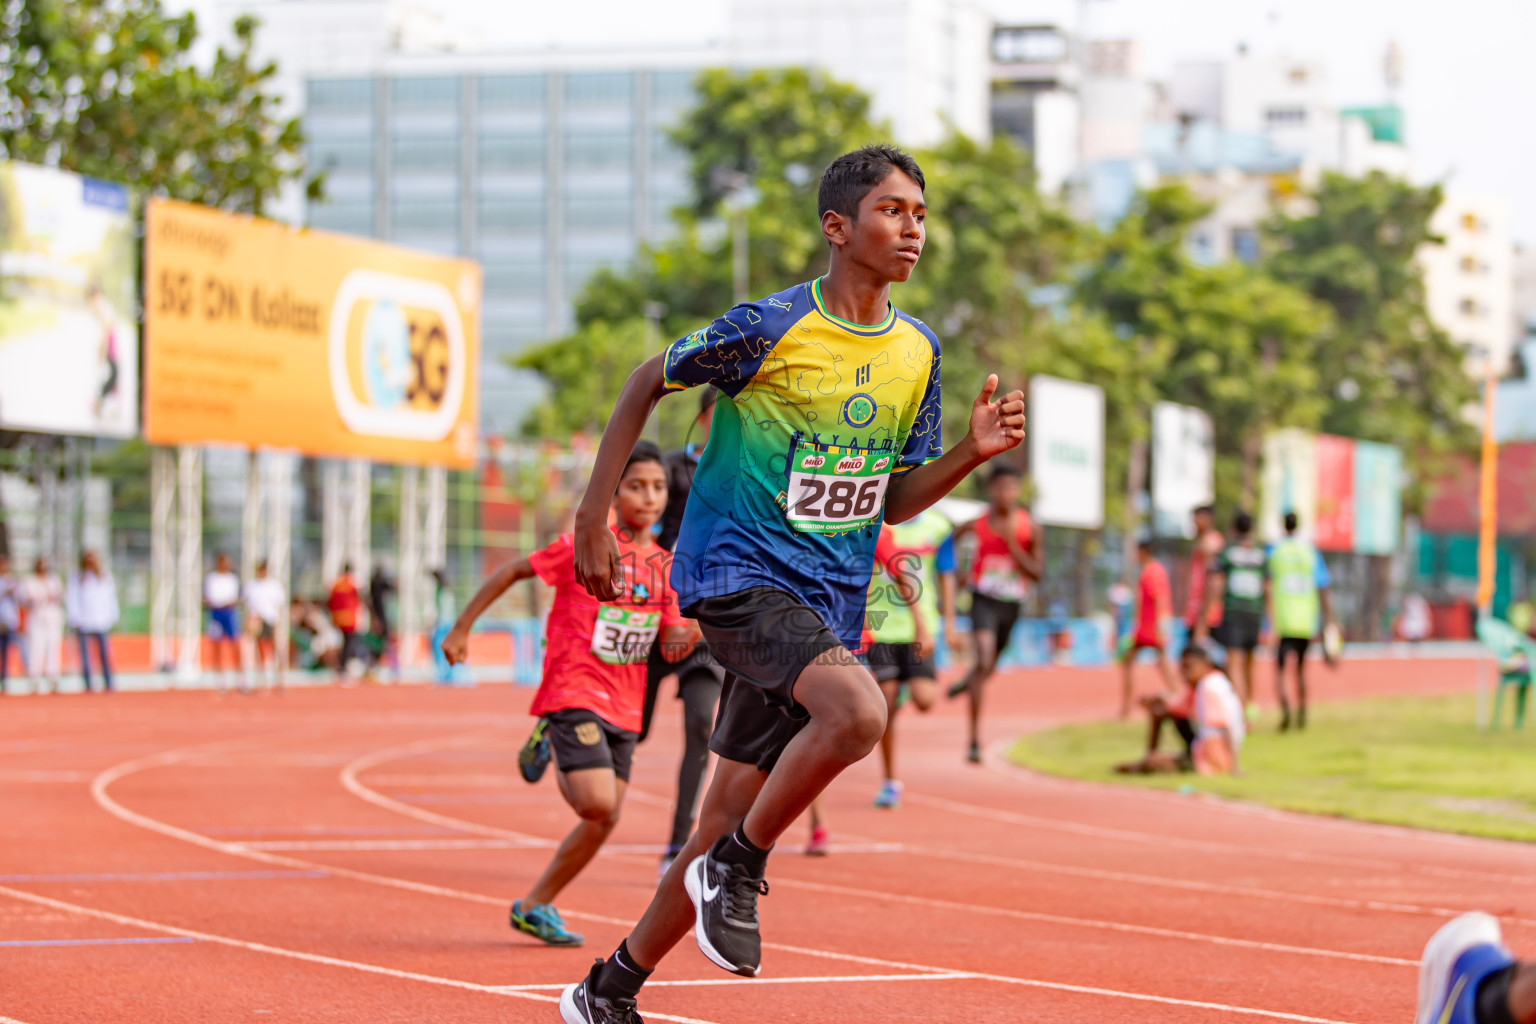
[[592, 693], [1000, 576]]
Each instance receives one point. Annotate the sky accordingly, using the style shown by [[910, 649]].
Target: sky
[[1469, 71]]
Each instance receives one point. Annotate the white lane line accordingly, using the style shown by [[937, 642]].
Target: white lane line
[[809, 979], [294, 954], [998, 763], [391, 844], [1083, 922], [40, 775], [1059, 986], [98, 790], [465, 781], [11, 1020]]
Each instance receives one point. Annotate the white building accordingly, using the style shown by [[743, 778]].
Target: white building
[[1469, 278]]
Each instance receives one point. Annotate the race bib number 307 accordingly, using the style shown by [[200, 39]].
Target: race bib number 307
[[623, 637], [834, 490]]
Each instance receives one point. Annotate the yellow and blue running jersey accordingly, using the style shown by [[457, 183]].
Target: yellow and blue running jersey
[[821, 414]]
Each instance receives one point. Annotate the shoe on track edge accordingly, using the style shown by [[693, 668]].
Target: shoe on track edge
[[543, 922], [707, 882], [1456, 960], [578, 1006]]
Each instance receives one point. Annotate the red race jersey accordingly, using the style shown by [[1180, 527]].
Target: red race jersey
[[595, 652], [1152, 592], [995, 573]]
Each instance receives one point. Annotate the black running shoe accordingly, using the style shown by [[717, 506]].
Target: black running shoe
[[579, 1005], [533, 759], [973, 754], [958, 687], [724, 899]]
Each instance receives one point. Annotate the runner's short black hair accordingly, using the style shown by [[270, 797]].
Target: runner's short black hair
[[1205, 510], [1001, 470], [1198, 650], [1242, 523], [849, 178], [644, 451], [1291, 522]]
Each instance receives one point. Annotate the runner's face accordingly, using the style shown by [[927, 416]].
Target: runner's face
[[641, 497], [888, 235], [1192, 669], [1004, 492]]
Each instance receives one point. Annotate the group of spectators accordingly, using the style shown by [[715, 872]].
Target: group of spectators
[[1240, 594], [35, 610]]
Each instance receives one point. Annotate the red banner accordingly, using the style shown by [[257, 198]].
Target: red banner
[[1335, 529]]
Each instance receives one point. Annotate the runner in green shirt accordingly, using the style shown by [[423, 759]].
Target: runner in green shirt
[[1236, 586], [1299, 604]]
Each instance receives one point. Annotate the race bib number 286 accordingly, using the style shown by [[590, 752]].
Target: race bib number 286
[[832, 490]]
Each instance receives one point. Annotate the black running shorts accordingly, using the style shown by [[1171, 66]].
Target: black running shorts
[[1239, 631], [899, 662], [1292, 645], [764, 638], [584, 739], [990, 615]]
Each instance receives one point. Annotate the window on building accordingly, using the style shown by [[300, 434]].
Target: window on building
[[1469, 222], [1200, 248], [424, 215], [1021, 44], [671, 90], [510, 151], [424, 93], [1470, 265], [1468, 307], [1245, 244], [341, 155], [518, 279], [598, 148], [416, 153], [611, 213], [664, 152], [339, 95], [511, 92], [503, 215], [348, 218], [1285, 117], [599, 89]]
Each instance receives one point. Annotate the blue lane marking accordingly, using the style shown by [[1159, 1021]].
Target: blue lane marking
[[94, 942], [166, 876]]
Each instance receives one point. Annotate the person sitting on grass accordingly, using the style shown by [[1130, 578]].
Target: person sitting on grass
[[1203, 713], [592, 693]]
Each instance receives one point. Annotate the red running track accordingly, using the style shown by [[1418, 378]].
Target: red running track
[[335, 855]]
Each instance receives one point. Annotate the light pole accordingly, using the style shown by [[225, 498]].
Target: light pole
[[737, 195]]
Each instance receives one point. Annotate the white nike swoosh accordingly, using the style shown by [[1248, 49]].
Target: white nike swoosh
[[708, 893]]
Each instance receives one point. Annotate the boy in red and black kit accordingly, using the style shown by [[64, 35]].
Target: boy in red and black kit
[[592, 693]]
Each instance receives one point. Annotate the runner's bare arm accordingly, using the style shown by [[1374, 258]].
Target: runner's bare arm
[[909, 589], [456, 643], [1216, 589], [597, 551], [1025, 560], [996, 426], [677, 641]]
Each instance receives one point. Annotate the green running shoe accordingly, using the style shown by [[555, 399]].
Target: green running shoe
[[543, 922], [533, 759]]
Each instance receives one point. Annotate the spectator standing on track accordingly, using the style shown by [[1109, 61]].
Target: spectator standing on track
[[1235, 596], [699, 676], [592, 694], [90, 604], [1202, 556], [265, 603], [1299, 605], [1005, 564], [221, 596], [42, 594], [905, 616], [381, 590], [10, 620], [344, 603], [444, 611], [1154, 604]]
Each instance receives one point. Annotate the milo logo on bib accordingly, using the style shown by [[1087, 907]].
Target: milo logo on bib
[[832, 490]]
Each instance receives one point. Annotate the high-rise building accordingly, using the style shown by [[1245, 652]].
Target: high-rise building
[[1469, 278]]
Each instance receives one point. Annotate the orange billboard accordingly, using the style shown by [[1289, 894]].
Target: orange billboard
[[259, 334]]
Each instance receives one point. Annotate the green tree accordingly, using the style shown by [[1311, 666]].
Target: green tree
[[1224, 338], [1387, 371], [110, 90]]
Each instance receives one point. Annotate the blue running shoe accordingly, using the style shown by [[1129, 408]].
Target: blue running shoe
[[1456, 960], [889, 797], [543, 922], [533, 759]]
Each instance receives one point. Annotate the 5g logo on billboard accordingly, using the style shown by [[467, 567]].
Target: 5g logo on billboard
[[397, 356]]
